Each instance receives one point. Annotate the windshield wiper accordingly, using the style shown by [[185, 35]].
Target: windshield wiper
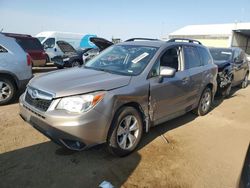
[[108, 71]]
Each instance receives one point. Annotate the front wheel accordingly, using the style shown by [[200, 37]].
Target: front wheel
[[76, 64], [125, 132], [244, 83], [204, 103]]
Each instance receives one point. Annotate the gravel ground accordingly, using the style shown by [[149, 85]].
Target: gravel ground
[[189, 151]]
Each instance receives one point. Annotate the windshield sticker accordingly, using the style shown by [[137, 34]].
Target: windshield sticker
[[140, 57], [228, 53]]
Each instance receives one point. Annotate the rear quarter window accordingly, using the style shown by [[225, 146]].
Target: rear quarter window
[[191, 57], [3, 50], [205, 56], [29, 44]]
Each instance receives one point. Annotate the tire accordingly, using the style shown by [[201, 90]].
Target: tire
[[59, 67], [244, 83], [47, 59], [7, 91], [76, 64], [121, 139], [204, 103]]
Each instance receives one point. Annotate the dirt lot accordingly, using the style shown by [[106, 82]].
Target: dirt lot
[[189, 151]]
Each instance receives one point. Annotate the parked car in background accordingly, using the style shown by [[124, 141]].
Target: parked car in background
[[120, 93], [101, 44], [73, 57], [233, 68], [15, 69], [32, 46], [49, 40], [70, 58]]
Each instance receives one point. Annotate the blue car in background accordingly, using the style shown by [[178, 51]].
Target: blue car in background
[[86, 43]]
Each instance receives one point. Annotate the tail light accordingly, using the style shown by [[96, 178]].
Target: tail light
[[28, 60]]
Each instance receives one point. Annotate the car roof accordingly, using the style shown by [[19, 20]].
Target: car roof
[[157, 43]]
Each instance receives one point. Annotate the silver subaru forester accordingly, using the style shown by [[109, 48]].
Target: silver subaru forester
[[121, 93]]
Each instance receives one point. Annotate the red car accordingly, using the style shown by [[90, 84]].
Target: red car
[[32, 46]]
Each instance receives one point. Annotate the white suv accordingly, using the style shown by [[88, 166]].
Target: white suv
[[15, 69]]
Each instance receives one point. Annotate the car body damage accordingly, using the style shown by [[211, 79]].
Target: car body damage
[[232, 68], [121, 93]]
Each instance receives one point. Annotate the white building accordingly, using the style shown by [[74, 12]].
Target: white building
[[216, 35]]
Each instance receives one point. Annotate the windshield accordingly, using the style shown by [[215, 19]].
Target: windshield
[[123, 59], [40, 38], [221, 54]]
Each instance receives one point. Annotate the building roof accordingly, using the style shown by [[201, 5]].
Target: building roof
[[208, 30]]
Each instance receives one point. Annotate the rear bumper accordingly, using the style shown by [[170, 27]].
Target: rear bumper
[[67, 129], [39, 62]]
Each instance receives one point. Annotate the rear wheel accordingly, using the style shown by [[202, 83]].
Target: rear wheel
[[125, 132], [244, 83], [204, 103], [47, 59], [76, 64], [7, 91], [59, 67]]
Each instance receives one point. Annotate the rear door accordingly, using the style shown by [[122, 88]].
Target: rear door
[[195, 68], [169, 97]]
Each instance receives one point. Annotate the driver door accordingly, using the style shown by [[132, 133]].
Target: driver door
[[169, 96]]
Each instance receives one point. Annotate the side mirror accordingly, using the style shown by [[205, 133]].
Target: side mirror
[[167, 72]]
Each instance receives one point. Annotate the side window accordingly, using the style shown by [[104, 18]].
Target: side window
[[191, 57], [169, 59], [49, 43], [3, 50], [205, 56]]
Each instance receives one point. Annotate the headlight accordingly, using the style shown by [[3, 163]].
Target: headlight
[[80, 103]]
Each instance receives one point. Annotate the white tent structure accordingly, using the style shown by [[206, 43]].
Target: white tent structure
[[216, 35]]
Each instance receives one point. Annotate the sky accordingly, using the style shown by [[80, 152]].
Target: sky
[[117, 18]]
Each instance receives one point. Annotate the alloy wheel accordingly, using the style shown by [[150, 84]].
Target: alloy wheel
[[5, 91], [127, 132], [75, 64], [206, 101]]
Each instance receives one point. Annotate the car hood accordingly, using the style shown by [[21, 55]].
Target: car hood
[[77, 81], [66, 47], [222, 64], [101, 43]]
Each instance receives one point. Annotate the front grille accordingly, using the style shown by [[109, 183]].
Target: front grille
[[40, 104]]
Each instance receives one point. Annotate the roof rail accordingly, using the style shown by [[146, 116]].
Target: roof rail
[[133, 39], [185, 40]]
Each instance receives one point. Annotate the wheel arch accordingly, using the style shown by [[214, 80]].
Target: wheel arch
[[10, 76], [139, 108]]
